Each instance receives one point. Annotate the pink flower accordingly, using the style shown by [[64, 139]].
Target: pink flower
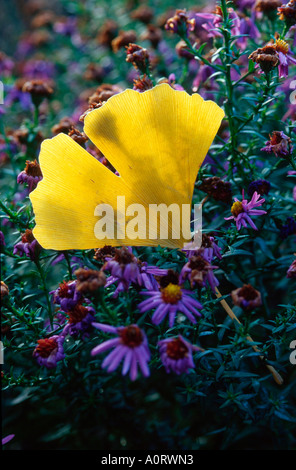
[[130, 345], [242, 210], [214, 21]]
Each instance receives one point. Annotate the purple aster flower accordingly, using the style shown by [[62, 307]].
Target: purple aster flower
[[130, 345], [176, 354], [148, 274], [7, 438], [291, 273], [126, 268], [246, 297], [2, 239], [285, 57], [15, 94], [279, 144], [49, 351], [41, 69], [244, 4], [80, 320], [8, 148], [170, 299], [209, 247], [242, 210], [75, 262], [66, 26], [274, 55], [66, 295], [6, 65], [28, 246], [294, 193], [259, 186], [180, 23], [172, 82], [249, 29], [204, 83], [31, 175], [199, 271], [215, 20], [289, 228]]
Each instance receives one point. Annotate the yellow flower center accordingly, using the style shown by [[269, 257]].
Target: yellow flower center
[[236, 208], [171, 294], [282, 46]]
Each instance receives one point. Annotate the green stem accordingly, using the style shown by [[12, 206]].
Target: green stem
[[260, 103], [36, 116], [14, 218], [293, 163], [43, 279], [68, 264], [199, 56]]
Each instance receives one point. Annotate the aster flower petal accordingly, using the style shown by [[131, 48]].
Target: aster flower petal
[[104, 346], [121, 352], [104, 327], [142, 362], [127, 362], [160, 313], [133, 368]]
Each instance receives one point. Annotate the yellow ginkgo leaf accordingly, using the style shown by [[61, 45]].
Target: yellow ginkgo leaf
[[156, 140]]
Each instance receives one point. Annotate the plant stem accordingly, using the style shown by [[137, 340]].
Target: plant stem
[[68, 264], [277, 377], [200, 57], [43, 279], [260, 103]]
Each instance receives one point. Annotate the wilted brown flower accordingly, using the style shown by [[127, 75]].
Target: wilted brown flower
[[33, 168], [63, 126], [266, 57], [89, 109], [94, 72], [107, 33], [123, 39], [89, 280], [103, 93], [163, 17], [43, 19], [31, 7], [143, 84], [98, 98], [246, 297], [22, 135], [153, 34], [77, 136], [291, 273], [38, 89], [267, 6], [31, 175], [143, 13], [101, 253], [217, 188], [138, 56], [287, 13], [199, 270], [182, 50], [37, 38], [180, 23], [4, 290], [280, 144]]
